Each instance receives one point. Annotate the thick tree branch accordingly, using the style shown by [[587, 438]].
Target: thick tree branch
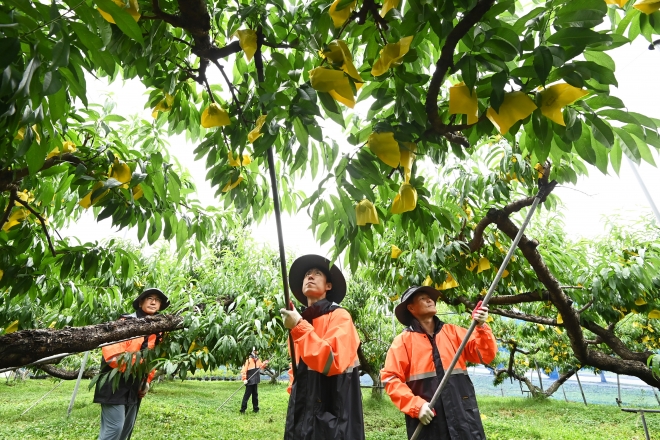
[[61, 373], [12, 177], [26, 346], [446, 61]]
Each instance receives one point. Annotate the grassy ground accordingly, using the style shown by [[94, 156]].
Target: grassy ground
[[188, 410]]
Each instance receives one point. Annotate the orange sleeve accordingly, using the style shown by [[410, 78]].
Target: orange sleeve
[[335, 352], [110, 352], [393, 376], [244, 369], [482, 346]]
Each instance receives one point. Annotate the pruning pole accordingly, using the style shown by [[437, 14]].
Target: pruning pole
[[42, 398], [280, 242], [75, 389], [239, 388], [484, 303], [258, 62]]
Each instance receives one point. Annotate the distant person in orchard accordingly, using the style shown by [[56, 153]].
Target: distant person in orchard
[[416, 363], [251, 378], [119, 408], [325, 401]]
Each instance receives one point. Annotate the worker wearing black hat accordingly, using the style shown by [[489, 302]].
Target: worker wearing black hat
[[325, 402], [119, 407], [417, 361]]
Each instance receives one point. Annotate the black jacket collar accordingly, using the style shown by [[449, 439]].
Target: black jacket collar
[[319, 308], [416, 327]]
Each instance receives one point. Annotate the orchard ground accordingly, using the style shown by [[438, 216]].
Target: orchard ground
[[189, 410]]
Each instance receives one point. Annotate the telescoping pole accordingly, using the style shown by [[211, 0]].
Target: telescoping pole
[[232, 394], [509, 254]]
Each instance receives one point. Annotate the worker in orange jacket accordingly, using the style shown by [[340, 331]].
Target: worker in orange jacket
[[417, 361], [119, 407], [251, 379], [325, 401]]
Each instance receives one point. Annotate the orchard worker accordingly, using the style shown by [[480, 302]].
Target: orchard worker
[[251, 379], [416, 363], [325, 401], [119, 408]]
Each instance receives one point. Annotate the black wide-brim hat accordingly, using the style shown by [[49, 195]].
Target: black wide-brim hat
[[164, 300], [300, 267], [401, 311]]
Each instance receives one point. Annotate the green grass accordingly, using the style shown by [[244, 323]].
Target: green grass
[[188, 410]]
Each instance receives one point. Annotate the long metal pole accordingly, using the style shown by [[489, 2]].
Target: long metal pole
[[484, 303], [42, 398], [280, 242], [75, 389], [258, 63], [644, 190], [239, 388]]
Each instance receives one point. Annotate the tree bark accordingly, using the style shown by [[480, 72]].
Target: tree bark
[[27, 346], [61, 373]]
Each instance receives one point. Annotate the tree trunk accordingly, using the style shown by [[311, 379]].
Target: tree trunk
[[27, 346]]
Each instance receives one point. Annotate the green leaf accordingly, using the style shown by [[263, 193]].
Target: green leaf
[[36, 155], [570, 37], [615, 156], [122, 19], [9, 49], [60, 54], [86, 37], [52, 83], [584, 148], [600, 130], [644, 150], [332, 109], [343, 4], [542, 62], [301, 132], [24, 85], [468, 67], [628, 144], [600, 58]]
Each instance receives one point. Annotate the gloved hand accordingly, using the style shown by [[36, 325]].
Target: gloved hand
[[245, 382], [425, 414], [143, 390], [290, 318], [480, 314]]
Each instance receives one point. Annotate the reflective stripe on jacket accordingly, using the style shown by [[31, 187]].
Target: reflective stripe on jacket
[[252, 364], [326, 401], [127, 390], [414, 367]]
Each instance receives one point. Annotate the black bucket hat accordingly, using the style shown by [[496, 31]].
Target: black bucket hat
[[401, 311], [300, 267], [164, 300]]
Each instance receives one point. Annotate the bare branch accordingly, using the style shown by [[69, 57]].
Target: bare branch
[[42, 221]]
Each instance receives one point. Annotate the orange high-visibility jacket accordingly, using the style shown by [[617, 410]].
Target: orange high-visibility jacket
[[126, 392], [249, 370], [325, 401], [415, 364]]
